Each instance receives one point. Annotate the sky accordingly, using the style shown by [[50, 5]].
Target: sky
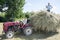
[[37, 5]]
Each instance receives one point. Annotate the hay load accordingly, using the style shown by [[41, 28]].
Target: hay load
[[44, 21]]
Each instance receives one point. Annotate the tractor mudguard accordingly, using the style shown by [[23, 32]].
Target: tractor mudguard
[[26, 25]]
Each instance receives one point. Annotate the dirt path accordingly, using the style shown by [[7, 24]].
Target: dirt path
[[34, 36]]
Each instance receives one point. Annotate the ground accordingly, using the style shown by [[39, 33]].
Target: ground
[[34, 36]]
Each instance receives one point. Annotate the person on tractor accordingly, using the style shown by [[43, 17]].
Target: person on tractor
[[49, 7]]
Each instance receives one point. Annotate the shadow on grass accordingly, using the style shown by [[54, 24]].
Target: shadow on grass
[[31, 37], [2, 37]]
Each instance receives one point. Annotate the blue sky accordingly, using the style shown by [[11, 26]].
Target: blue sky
[[37, 5]]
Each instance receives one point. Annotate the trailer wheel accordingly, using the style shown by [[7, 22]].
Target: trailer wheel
[[27, 31]]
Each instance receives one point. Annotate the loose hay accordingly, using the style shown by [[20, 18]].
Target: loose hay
[[45, 21]]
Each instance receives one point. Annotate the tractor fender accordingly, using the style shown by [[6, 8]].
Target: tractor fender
[[26, 25]]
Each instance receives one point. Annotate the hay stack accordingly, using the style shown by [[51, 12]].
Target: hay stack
[[44, 21]]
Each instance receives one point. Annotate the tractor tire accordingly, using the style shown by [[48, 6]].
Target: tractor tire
[[9, 34], [27, 31]]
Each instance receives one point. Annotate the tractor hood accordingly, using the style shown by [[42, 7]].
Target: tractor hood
[[10, 23]]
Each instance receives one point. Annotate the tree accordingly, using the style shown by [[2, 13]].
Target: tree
[[29, 14], [2, 2], [15, 8]]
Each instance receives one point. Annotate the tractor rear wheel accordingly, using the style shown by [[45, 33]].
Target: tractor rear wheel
[[27, 31]]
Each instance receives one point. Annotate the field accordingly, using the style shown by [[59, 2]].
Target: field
[[34, 36]]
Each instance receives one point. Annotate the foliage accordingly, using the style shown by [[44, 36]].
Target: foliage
[[15, 8], [29, 14], [2, 2], [2, 14]]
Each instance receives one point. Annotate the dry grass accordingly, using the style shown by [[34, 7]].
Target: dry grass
[[45, 21]]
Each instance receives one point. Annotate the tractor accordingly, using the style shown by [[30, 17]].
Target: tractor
[[9, 28]]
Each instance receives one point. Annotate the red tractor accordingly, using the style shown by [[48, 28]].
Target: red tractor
[[10, 27]]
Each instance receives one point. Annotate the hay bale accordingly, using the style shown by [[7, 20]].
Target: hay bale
[[45, 21]]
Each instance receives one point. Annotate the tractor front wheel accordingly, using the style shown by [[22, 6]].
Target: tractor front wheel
[[9, 34]]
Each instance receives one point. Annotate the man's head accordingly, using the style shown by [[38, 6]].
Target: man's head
[[48, 3]]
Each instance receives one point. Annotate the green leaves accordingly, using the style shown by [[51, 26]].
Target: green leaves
[[15, 8], [2, 2]]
